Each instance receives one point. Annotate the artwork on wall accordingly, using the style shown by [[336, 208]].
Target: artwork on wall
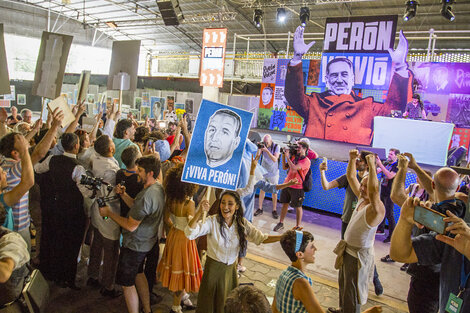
[[21, 100]]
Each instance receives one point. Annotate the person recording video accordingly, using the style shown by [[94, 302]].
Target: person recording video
[[270, 153], [296, 162]]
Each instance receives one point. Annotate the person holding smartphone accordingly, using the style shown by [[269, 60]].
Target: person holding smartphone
[[425, 248]]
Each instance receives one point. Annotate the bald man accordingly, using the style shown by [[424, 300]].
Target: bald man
[[425, 248], [269, 161]]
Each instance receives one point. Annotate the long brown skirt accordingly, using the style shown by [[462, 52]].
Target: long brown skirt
[[217, 282]]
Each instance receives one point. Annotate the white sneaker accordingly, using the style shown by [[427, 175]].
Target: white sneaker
[[241, 268]]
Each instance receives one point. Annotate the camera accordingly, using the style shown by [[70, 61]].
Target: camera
[[292, 147], [261, 145], [95, 183]]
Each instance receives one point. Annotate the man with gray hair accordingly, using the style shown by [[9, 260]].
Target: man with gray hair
[[27, 115]]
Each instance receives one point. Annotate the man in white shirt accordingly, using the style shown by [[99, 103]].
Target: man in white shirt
[[106, 231]]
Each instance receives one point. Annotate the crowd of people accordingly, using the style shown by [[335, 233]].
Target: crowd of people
[[110, 196]]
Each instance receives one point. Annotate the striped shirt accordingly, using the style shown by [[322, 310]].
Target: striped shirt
[[285, 301], [21, 218]]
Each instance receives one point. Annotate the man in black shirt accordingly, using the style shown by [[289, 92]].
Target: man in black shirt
[[389, 170]]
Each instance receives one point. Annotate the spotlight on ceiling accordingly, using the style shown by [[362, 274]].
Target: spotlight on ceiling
[[410, 10], [281, 15], [446, 10], [304, 16], [257, 17]]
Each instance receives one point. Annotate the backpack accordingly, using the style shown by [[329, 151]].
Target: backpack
[[307, 182]]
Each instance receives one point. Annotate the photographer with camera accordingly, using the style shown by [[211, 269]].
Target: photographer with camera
[[295, 160], [106, 232], [269, 161]]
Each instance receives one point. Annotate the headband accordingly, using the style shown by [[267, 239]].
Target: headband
[[298, 240]]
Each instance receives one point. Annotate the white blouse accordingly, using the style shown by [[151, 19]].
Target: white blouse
[[220, 249]]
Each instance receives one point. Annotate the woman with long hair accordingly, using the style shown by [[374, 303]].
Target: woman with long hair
[[180, 268], [227, 233]]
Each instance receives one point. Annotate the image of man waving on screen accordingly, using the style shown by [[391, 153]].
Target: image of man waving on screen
[[338, 113]]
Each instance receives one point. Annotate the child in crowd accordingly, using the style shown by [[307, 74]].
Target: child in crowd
[[294, 292], [180, 268]]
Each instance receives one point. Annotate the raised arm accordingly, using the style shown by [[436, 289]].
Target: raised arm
[[375, 216], [424, 178], [45, 144], [186, 136], [95, 127], [351, 174], [35, 129], [176, 141], [398, 194], [204, 206], [81, 108], [401, 248], [326, 185], [27, 173], [3, 122]]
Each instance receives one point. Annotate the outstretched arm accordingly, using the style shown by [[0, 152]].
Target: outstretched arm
[[424, 178], [351, 173], [398, 194], [27, 174], [374, 217], [401, 248], [326, 185], [45, 144]]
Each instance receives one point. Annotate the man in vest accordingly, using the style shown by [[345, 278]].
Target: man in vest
[[66, 223]]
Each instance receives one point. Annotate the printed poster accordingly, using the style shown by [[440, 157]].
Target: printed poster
[[217, 145]]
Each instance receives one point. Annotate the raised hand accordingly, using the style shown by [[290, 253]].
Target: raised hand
[[205, 205], [461, 242], [21, 145], [254, 163], [412, 163], [3, 115], [402, 161], [399, 54], [300, 48], [353, 154], [57, 117]]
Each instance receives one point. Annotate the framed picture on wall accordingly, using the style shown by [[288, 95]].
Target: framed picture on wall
[[21, 99]]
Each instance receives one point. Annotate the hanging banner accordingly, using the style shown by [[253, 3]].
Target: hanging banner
[[213, 57]]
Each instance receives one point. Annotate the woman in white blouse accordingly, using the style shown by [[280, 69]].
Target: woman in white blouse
[[227, 232]]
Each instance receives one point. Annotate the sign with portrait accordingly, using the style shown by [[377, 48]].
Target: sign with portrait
[[217, 146]]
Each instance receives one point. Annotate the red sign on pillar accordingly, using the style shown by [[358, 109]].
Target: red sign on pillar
[[213, 57]]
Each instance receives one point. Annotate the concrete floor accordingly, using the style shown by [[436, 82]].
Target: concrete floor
[[264, 264]]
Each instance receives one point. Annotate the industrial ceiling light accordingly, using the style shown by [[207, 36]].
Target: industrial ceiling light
[[410, 10], [446, 10], [257, 17], [304, 16], [281, 15]]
